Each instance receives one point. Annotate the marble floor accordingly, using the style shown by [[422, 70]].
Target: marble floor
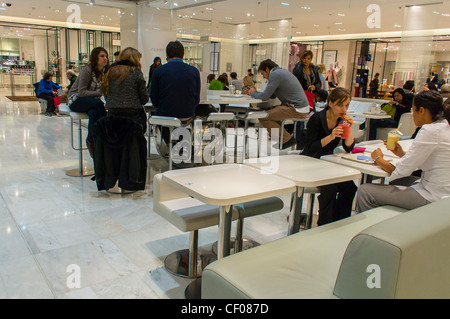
[[53, 226]]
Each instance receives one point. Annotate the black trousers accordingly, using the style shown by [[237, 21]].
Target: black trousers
[[50, 103], [335, 202]]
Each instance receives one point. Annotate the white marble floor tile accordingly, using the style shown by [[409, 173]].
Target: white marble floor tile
[[115, 257], [71, 230], [125, 287], [23, 279], [93, 266]]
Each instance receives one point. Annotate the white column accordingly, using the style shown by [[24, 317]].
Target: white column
[[148, 30]]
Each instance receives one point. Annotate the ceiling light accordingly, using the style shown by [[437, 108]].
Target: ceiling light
[[91, 2], [285, 4]]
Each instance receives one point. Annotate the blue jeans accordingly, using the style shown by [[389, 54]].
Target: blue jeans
[[374, 124], [93, 107]]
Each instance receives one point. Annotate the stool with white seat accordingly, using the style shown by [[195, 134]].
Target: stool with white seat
[[81, 171], [222, 119], [251, 116], [189, 215], [171, 123]]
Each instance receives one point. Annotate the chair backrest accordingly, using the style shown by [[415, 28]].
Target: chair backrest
[[408, 125], [406, 256], [360, 107]]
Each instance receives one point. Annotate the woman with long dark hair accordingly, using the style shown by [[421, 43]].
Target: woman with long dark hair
[[429, 152], [84, 96], [323, 135]]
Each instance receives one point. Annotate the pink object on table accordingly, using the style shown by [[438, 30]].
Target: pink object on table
[[358, 150]]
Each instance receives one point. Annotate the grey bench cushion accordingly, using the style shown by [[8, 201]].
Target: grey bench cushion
[[304, 265], [412, 252]]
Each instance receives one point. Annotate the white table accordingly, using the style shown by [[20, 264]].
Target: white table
[[370, 147], [305, 171], [226, 185], [369, 116]]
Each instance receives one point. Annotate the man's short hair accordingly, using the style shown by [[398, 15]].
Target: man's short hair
[[71, 72], [116, 53], [233, 75], [175, 50], [267, 64], [409, 85]]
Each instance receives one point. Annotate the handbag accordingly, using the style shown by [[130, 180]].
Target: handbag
[[310, 96], [389, 109]]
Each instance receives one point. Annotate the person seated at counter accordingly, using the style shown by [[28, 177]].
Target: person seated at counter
[[234, 81], [324, 132], [175, 89], [45, 92], [285, 86], [124, 88], [429, 152], [401, 103]]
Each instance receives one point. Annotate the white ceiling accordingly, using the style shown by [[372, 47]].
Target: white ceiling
[[306, 17]]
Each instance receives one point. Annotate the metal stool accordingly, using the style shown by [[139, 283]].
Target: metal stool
[[247, 118], [171, 123], [81, 171], [222, 119], [290, 121], [43, 105]]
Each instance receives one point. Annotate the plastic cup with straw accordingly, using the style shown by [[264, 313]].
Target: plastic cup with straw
[[393, 137]]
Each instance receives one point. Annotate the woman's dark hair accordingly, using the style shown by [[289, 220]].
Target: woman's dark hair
[[338, 95], [447, 110], [401, 92], [267, 64], [93, 61], [305, 54], [431, 101], [175, 50], [47, 75], [223, 78], [156, 59], [211, 77]]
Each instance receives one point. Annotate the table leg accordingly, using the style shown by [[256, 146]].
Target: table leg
[[367, 130], [224, 232], [296, 211]]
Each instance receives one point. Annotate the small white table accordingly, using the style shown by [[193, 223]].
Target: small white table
[[370, 147], [369, 116], [305, 171], [226, 185]]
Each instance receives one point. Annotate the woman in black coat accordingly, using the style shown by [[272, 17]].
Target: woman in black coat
[[307, 73], [156, 63], [323, 135]]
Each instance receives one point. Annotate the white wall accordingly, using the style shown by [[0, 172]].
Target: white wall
[[40, 54]]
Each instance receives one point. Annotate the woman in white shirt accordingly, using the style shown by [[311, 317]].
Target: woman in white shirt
[[429, 152]]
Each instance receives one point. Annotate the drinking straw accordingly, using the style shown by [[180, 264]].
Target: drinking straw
[[397, 130]]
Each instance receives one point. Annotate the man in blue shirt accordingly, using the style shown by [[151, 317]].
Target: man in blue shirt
[[175, 89], [45, 91]]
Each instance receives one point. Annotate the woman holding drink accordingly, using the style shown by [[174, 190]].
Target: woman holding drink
[[325, 130], [430, 152]]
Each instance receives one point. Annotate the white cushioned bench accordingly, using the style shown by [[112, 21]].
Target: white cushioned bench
[[331, 261]]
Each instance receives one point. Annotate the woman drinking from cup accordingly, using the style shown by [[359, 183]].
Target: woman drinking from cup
[[325, 130], [430, 152]]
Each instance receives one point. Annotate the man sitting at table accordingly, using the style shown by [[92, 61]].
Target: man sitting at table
[[175, 89], [284, 86]]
